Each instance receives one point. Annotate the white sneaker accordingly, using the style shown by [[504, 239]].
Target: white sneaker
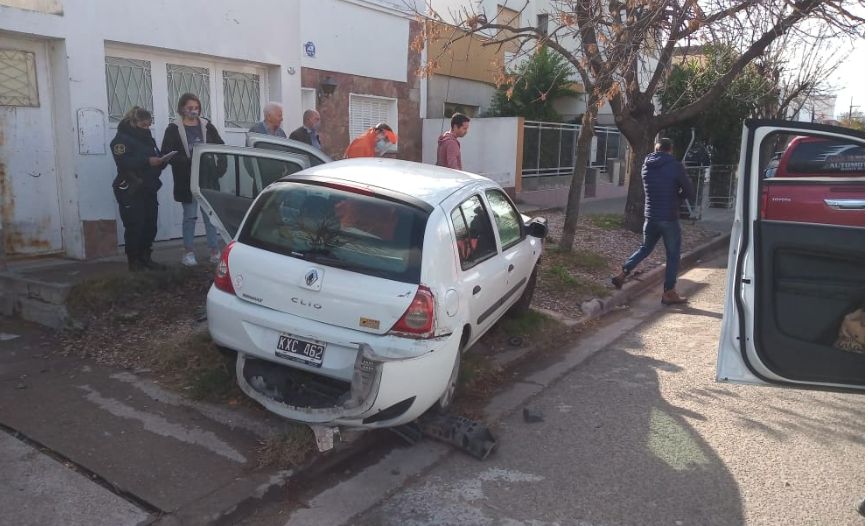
[[215, 257], [189, 260]]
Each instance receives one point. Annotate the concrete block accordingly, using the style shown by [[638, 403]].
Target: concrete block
[[7, 304], [48, 314], [48, 292]]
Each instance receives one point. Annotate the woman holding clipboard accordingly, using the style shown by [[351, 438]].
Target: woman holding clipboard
[[139, 165]]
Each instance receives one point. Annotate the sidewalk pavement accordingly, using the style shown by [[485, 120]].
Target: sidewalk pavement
[[154, 453]]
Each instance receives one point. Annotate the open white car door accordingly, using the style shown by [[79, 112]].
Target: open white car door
[[314, 156], [795, 273], [225, 180]]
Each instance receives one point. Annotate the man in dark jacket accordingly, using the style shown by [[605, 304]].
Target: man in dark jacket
[[308, 132], [666, 184]]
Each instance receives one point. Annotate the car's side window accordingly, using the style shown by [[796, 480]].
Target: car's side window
[[474, 236], [506, 218]]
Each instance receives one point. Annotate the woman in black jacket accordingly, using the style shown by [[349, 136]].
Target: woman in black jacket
[[192, 130], [135, 187]]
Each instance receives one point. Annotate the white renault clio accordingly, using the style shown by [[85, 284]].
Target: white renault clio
[[349, 289]]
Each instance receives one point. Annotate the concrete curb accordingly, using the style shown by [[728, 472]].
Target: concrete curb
[[652, 278]]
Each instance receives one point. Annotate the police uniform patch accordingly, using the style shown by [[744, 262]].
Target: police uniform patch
[[120, 149]]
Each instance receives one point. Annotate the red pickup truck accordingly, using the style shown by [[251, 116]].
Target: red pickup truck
[[816, 179]]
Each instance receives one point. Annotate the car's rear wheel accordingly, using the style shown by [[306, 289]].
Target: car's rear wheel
[[445, 400], [521, 306]]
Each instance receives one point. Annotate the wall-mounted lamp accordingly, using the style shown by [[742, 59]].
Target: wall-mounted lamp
[[326, 88]]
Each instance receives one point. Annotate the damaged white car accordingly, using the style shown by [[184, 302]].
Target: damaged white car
[[349, 289]]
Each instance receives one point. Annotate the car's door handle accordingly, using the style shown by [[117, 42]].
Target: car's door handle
[[511, 267], [846, 204], [476, 290]]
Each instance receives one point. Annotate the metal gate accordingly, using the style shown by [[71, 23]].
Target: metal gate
[[550, 154]]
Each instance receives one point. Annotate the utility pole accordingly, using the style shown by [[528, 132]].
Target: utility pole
[[850, 113]]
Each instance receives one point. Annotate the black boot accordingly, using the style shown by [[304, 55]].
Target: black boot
[[135, 263], [149, 263]]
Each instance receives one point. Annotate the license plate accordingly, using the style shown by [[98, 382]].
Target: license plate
[[291, 348]]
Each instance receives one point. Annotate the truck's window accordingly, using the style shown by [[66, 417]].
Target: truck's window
[[817, 156]]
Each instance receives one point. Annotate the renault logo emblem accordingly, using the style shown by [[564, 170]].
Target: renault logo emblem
[[311, 277]]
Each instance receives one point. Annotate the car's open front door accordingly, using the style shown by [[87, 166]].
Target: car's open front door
[[225, 180], [314, 156], [796, 279]]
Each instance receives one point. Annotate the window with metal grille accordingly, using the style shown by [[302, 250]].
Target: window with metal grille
[[18, 78], [368, 111], [188, 79], [241, 99], [128, 84]]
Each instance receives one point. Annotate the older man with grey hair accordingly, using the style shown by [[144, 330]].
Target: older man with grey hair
[[270, 125]]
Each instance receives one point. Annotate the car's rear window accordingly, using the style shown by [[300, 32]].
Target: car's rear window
[[831, 158], [334, 227]]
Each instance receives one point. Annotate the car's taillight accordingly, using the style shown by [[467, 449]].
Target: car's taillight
[[222, 277], [418, 320]]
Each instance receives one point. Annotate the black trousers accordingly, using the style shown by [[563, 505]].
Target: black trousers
[[139, 215]]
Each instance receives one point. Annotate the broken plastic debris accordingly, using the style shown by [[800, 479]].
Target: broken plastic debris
[[532, 416]]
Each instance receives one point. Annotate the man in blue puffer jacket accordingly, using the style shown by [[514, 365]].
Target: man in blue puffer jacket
[[666, 184]]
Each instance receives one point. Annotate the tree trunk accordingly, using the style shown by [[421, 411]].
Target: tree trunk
[[577, 185], [634, 210]]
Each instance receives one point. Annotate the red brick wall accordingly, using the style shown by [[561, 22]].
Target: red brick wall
[[335, 110]]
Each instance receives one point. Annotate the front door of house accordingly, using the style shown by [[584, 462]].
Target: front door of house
[[29, 205]]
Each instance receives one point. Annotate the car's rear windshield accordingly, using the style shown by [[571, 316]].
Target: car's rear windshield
[[335, 227], [826, 157]]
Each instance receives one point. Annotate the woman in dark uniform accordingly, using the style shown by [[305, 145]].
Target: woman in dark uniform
[[139, 165]]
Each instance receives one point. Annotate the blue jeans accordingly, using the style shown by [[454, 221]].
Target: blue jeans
[[670, 231], [188, 227]]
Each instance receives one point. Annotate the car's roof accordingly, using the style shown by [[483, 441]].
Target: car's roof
[[427, 182]]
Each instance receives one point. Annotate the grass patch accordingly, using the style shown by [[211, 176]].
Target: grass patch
[[192, 364], [559, 277], [289, 449], [96, 294], [607, 221], [528, 324], [579, 259]]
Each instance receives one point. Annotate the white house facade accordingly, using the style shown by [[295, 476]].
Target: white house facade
[[70, 69]]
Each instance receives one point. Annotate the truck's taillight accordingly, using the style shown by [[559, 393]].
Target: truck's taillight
[[222, 277], [418, 320]]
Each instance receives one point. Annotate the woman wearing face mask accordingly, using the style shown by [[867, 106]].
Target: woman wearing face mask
[[192, 129], [375, 142], [135, 187]]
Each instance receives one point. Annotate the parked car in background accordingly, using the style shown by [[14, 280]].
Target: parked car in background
[[788, 194], [350, 289], [795, 296]]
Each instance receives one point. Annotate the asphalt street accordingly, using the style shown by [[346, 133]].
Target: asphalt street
[[636, 431]]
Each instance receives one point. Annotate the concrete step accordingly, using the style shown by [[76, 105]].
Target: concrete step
[[34, 300]]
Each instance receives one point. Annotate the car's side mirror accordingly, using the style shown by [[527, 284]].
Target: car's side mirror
[[537, 227]]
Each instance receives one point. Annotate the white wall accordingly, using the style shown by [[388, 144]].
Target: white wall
[[461, 91], [490, 147], [260, 31], [356, 38]]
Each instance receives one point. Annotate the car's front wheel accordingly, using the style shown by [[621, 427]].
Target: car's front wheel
[[521, 306]]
